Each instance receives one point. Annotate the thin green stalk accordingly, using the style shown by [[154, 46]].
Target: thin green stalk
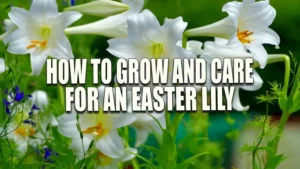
[[168, 119], [61, 94], [135, 164], [284, 119]]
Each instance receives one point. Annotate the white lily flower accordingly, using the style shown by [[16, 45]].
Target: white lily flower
[[100, 160], [113, 26], [3, 67], [100, 127], [100, 8], [248, 24], [41, 32], [145, 124], [147, 39], [221, 50]]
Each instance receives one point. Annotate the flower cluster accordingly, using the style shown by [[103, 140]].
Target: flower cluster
[[136, 33]]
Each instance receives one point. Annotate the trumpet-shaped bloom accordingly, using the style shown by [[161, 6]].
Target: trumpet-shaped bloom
[[248, 24], [100, 127], [113, 26], [40, 32], [100, 160], [221, 50], [147, 39], [100, 8], [145, 124]]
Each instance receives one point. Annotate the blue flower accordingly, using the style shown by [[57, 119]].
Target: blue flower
[[6, 103], [7, 110], [19, 95], [29, 122], [72, 2], [34, 107]]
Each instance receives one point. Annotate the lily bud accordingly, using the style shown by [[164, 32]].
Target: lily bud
[[100, 8]]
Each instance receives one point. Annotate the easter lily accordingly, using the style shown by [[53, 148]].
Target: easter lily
[[146, 124], [100, 127], [41, 32], [100, 160], [148, 39], [248, 24], [113, 26], [220, 49], [100, 8], [193, 46]]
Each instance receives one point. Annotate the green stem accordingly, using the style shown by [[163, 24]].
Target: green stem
[[184, 40], [284, 119], [135, 164], [61, 95]]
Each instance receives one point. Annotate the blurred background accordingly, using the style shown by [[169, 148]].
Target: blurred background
[[221, 129]]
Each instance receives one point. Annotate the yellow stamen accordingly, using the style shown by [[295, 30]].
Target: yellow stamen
[[97, 130], [25, 132], [244, 36], [34, 44]]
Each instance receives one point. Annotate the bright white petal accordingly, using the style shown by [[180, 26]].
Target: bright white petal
[[258, 82], [8, 24], [77, 148], [120, 47], [142, 27], [40, 99], [67, 125], [259, 53], [21, 17], [18, 42], [122, 120], [183, 53], [129, 154], [141, 136], [65, 19], [38, 60], [135, 5], [61, 48], [233, 10], [44, 8], [175, 28], [111, 145], [256, 16], [236, 103], [194, 46], [267, 36]]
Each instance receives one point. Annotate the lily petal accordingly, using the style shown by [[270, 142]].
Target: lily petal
[[62, 48], [175, 28], [21, 17], [77, 148], [194, 46], [111, 145], [129, 154], [121, 120], [44, 8], [38, 60], [259, 53], [120, 47], [233, 10], [258, 82], [18, 42], [141, 27], [267, 36], [2, 66], [141, 136], [67, 125], [236, 103], [65, 19], [40, 99]]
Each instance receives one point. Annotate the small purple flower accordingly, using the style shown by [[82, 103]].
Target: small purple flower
[[47, 153], [72, 2], [19, 95], [7, 110], [6, 92], [29, 122], [34, 107], [6, 103], [30, 113]]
